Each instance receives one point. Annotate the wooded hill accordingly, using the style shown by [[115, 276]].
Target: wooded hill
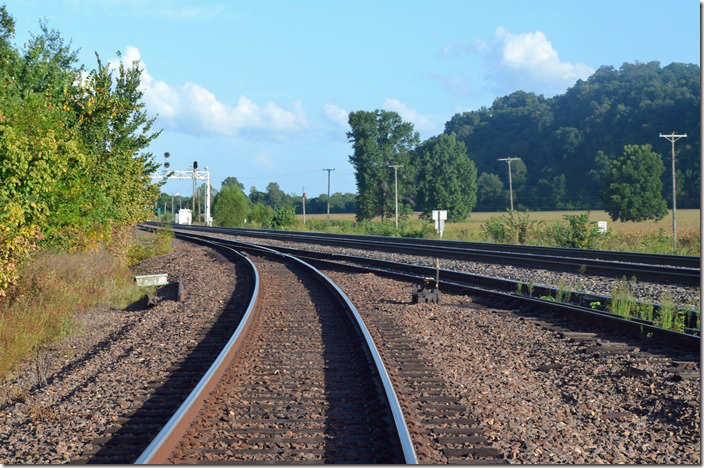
[[565, 142]]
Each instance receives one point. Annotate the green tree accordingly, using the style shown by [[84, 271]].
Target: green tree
[[634, 188], [275, 197], [447, 178], [233, 181], [230, 207], [491, 194], [380, 139]]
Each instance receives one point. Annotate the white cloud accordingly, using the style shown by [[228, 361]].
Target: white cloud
[[337, 115], [420, 123], [529, 60], [191, 108]]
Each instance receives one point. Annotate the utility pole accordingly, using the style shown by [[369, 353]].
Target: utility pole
[[329, 170], [396, 166], [510, 182], [673, 138], [304, 205], [193, 202], [173, 215]]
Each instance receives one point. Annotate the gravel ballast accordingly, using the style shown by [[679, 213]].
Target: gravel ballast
[[540, 398], [578, 409], [584, 283], [95, 376]]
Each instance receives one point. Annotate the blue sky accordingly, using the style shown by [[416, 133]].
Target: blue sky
[[260, 90]]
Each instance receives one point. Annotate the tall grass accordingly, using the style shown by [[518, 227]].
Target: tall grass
[[53, 288], [646, 236]]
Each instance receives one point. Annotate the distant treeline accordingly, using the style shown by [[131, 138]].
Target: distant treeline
[[566, 142], [567, 147]]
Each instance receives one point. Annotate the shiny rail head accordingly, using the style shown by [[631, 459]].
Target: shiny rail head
[[150, 452]]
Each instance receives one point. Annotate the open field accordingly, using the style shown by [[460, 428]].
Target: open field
[[687, 220], [646, 236]]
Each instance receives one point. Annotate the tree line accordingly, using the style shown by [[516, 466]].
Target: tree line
[[231, 206], [595, 147], [73, 171]]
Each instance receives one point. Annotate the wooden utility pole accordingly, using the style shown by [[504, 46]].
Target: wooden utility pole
[[304, 205], [510, 182], [396, 166], [329, 171], [673, 138]]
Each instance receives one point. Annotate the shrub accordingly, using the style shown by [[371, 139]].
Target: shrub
[[283, 217], [579, 233], [514, 227]]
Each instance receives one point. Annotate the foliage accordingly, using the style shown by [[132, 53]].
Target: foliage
[[514, 227], [231, 207], [623, 302], [71, 162], [380, 139], [634, 189], [42, 305], [559, 139], [283, 217], [491, 194], [447, 178], [260, 214], [149, 245], [579, 233]]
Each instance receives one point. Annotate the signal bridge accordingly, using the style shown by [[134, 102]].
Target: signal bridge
[[193, 174]]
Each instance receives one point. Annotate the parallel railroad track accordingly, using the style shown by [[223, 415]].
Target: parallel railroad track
[[463, 283], [662, 268]]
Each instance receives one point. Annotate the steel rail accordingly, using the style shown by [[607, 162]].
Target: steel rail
[[657, 273], [158, 445], [607, 255], [634, 327], [163, 443]]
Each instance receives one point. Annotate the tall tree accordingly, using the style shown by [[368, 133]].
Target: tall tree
[[447, 178], [233, 181], [380, 139], [231, 207], [634, 188]]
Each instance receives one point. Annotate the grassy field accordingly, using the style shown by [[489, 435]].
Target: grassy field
[[647, 236]]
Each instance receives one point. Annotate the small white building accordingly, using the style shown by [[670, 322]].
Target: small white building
[[183, 216]]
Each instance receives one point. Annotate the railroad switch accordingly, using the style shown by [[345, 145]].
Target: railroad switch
[[428, 293]]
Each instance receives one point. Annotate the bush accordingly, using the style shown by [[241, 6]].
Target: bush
[[149, 245], [579, 233], [514, 227], [284, 216]]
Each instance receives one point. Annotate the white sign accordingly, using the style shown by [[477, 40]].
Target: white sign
[[601, 225], [440, 216]]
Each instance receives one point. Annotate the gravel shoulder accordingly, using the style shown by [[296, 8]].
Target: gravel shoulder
[[96, 375], [581, 409]]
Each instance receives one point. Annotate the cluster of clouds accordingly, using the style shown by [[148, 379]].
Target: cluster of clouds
[[191, 108], [525, 61]]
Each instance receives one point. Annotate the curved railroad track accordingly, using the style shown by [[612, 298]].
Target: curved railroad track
[[300, 380], [661, 268]]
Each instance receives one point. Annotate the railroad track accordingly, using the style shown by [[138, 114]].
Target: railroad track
[[440, 427], [661, 268], [466, 284], [299, 381]]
